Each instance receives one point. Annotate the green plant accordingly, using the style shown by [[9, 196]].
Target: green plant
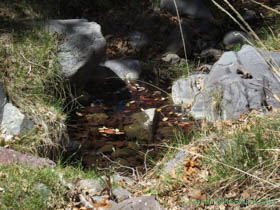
[[28, 188]]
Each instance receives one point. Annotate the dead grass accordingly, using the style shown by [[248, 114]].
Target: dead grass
[[30, 72]]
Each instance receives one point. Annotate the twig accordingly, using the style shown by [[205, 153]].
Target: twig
[[182, 35], [267, 7], [30, 62]]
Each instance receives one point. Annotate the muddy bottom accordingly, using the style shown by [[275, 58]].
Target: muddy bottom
[[98, 132]]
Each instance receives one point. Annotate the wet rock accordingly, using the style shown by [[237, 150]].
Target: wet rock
[[173, 164], [123, 152], [139, 203], [97, 117], [143, 126], [92, 186], [236, 37], [238, 82], [106, 148], [8, 156], [138, 40], [81, 50], [185, 90], [126, 69], [121, 194]]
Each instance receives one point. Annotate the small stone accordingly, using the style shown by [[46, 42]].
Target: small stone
[[116, 178], [145, 203], [121, 194], [236, 37], [43, 190], [91, 185]]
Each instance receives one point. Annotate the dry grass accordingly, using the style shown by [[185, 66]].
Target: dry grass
[[29, 70]]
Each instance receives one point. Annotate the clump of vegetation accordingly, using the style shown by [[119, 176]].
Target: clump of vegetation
[[26, 188], [30, 72]]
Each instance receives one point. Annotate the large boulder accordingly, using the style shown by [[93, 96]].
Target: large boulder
[[238, 82], [8, 157], [82, 49]]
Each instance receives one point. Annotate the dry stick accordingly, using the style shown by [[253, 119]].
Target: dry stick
[[245, 23], [267, 7], [30, 62], [182, 35], [224, 164]]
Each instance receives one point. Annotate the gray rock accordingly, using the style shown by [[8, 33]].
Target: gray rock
[[126, 69], [92, 186], [8, 156], [13, 122], [236, 37], [3, 98], [143, 126], [139, 203], [138, 40], [82, 49], [116, 178], [227, 94], [185, 90], [43, 190], [174, 163], [121, 194]]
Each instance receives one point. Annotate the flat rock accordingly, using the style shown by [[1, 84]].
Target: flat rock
[[139, 203], [172, 165], [121, 194], [8, 157], [82, 49], [143, 126], [125, 69]]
